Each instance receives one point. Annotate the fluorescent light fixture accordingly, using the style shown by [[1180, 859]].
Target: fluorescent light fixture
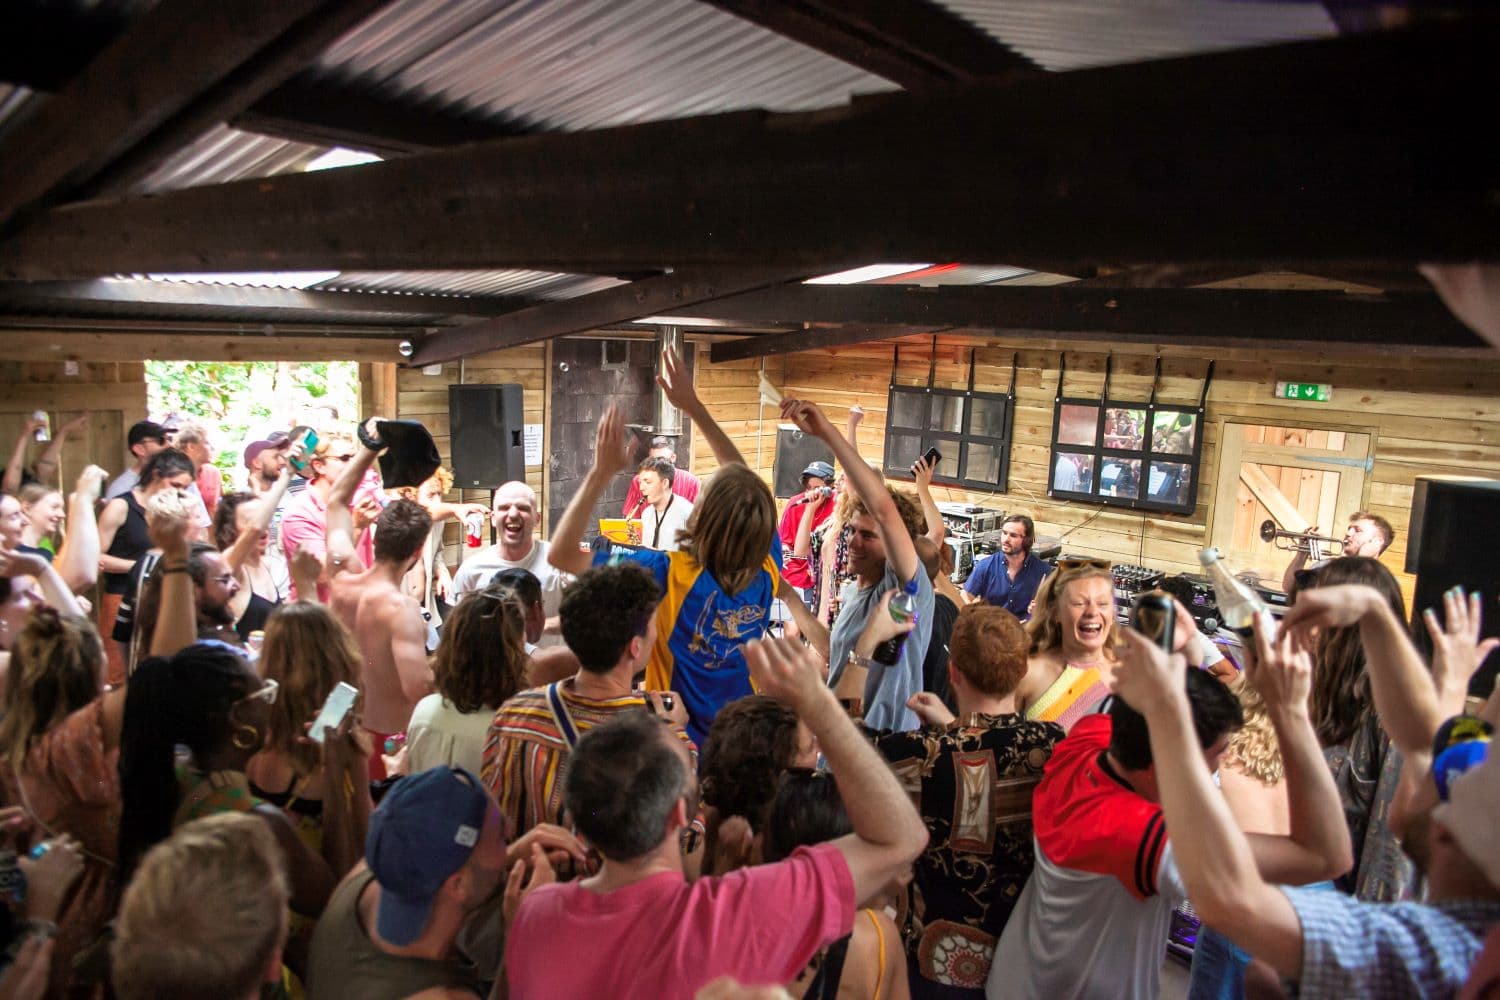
[[684, 321], [264, 279], [870, 272], [341, 157]]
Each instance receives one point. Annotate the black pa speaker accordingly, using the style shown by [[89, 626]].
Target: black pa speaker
[[794, 452], [487, 427], [1453, 542]]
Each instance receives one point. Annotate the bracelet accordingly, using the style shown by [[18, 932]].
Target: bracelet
[[42, 928], [167, 570], [855, 660]]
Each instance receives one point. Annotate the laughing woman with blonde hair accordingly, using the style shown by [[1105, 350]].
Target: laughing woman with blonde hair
[[1072, 633]]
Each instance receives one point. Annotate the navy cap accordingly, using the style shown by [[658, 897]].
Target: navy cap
[[822, 470], [424, 831]]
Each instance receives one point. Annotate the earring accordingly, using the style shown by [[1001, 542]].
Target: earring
[[250, 742]]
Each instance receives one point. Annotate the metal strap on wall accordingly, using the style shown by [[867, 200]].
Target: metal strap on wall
[[1208, 378], [971, 371], [1015, 356], [1155, 381], [1109, 367], [895, 363], [1062, 373], [932, 365]]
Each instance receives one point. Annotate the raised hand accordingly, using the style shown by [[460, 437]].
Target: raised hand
[[75, 425], [930, 709], [1281, 669], [787, 671], [1457, 650], [557, 843], [169, 520], [21, 563], [1331, 607], [880, 626], [922, 470], [91, 482], [611, 454], [808, 417], [676, 382], [1148, 678]]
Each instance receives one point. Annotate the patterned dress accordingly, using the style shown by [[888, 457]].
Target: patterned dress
[[972, 782]]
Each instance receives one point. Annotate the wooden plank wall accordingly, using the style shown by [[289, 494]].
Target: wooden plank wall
[[114, 392], [1428, 415], [425, 398]]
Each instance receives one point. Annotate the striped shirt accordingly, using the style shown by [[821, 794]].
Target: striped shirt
[[525, 754]]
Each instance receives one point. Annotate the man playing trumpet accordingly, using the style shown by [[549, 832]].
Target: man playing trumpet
[[1367, 535]]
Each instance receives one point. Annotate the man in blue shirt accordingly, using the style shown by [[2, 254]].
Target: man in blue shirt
[[1009, 578]]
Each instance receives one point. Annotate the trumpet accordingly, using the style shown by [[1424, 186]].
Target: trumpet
[[1298, 541]]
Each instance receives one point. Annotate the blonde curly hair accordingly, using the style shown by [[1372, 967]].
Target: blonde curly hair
[[1253, 748]]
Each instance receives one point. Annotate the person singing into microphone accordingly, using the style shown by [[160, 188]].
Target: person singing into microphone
[[815, 504]]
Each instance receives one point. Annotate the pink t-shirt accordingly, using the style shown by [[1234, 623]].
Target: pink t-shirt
[[684, 484], [664, 937], [305, 522]]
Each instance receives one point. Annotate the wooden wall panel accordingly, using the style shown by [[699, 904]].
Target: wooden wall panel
[[425, 398], [1427, 415], [114, 392]]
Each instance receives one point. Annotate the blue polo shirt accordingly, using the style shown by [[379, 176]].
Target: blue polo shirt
[[991, 581]]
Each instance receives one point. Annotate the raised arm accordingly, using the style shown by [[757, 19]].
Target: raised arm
[[1403, 690], [851, 426], [922, 471], [900, 552], [16, 467], [813, 630], [802, 546], [1212, 854], [339, 535], [678, 386], [78, 562], [248, 541], [888, 833], [169, 521], [1317, 847], [610, 458], [54, 591]]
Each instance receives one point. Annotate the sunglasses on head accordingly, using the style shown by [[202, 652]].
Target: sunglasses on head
[[266, 693], [1074, 562]]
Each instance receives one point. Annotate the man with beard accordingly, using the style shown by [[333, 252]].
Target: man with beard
[[1367, 535], [1009, 578], [514, 516], [214, 586]]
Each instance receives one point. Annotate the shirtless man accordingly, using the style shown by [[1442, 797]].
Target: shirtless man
[[386, 622]]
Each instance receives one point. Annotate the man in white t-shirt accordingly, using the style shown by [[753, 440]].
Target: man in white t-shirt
[[665, 513], [1094, 918], [514, 516]]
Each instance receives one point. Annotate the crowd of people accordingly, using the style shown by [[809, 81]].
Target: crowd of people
[[291, 751]]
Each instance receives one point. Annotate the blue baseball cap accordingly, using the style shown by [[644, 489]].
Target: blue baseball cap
[[822, 470], [424, 831]]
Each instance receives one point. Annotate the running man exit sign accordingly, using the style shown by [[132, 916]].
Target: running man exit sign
[[1308, 392]]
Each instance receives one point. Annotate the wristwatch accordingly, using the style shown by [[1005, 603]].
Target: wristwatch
[[372, 443], [855, 660]]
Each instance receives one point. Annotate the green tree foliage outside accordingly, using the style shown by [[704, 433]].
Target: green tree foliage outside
[[243, 401]]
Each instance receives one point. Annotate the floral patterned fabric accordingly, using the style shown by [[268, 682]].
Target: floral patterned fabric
[[972, 783]]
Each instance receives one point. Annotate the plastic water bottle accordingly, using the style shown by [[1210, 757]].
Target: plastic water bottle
[[903, 608], [1238, 604]]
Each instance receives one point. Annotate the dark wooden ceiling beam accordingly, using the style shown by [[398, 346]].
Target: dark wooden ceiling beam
[[1357, 150], [660, 295], [178, 54], [173, 297], [1201, 316], [918, 44]]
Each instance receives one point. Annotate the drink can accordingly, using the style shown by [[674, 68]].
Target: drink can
[[44, 432], [473, 530], [255, 641]]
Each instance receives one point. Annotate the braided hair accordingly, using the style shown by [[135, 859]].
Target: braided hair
[[55, 666], [185, 699]]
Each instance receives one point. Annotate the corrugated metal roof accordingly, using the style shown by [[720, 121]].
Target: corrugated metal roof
[[1074, 34], [536, 284], [225, 154], [580, 64]]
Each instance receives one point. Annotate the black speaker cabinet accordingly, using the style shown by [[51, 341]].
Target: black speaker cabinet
[[487, 427], [1454, 541], [794, 452]]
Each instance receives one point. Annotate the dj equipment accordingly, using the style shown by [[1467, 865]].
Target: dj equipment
[[1203, 607], [971, 532]]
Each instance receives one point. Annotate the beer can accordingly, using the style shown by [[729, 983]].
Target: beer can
[[473, 530]]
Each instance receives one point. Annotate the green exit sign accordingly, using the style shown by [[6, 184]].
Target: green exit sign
[[1308, 392]]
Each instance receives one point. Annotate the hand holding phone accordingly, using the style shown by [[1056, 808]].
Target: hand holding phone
[[338, 705]]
